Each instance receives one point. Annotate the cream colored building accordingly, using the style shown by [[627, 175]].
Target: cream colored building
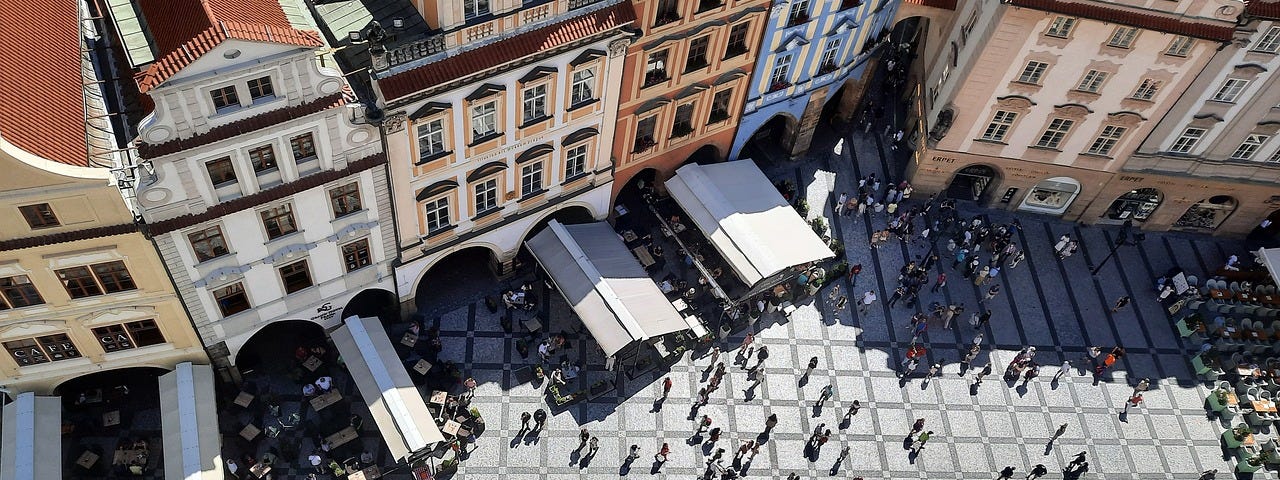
[[81, 289], [1035, 105]]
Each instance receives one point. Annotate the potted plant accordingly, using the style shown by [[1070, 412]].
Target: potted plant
[[1218, 399], [819, 226], [539, 373], [802, 207], [1252, 463], [448, 466], [1236, 436], [779, 85]]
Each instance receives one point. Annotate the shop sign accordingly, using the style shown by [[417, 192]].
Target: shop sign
[[1008, 195], [325, 312]]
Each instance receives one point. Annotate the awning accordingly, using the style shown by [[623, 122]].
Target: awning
[[745, 218], [605, 284], [189, 422], [397, 407], [32, 445], [1270, 258]]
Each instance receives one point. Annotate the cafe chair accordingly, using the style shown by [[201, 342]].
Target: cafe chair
[[1192, 280], [1234, 286]]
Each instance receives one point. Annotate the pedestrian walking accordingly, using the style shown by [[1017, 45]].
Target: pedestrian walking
[[1142, 386], [917, 427], [524, 421], [813, 363], [595, 445], [826, 393], [583, 437], [1133, 401], [539, 418], [1016, 259], [771, 422], [719, 370], [822, 439], [1209, 474], [897, 295], [635, 453], [747, 345], [713, 436], [977, 380], [853, 409], [761, 355], [939, 283], [703, 397], [666, 387], [715, 357], [1079, 458], [868, 298], [992, 292], [933, 371], [1065, 369], [844, 197], [921, 440], [661, 456], [1037, 471], [1120, 303], [1061, 430], [702, 425], [1006, 472], [1061, 245], [742, 451], [977, 339], [995, 272], [981, 278]]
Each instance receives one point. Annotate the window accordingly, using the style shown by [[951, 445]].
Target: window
[[1032, 72], [474, 8], [484, 120], [39, 215], [1180, 46], [575, 162], [644, 134], [584, 82], [356, 255], [1188, 140], [93, 280], [1230, 89], [780, 78], [668, 11], [224, 97], [1053, 135], [437, 214], [1092, 81], [261, 87], [295, 276], [683, 124], [535, 103], [830, 52], [17, 292], [999, 126], [1106, 140], [221, 172], [1270, 41], [531, 179], [1122, 37], [303, 146], [278, 221], [208, 243], [799, 12], [1061, 27], [737, 41], [1275, 157], [345, 199], [486, 195], [263, 158], [49, 348], [704, 5], [231, 299], [430, 138], [720, 106], [1249, 147], [1147, 89], [697, 54], [114, 276], [125, 336], [655, 69]]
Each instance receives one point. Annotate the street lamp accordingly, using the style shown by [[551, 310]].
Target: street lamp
[[1122, 238]]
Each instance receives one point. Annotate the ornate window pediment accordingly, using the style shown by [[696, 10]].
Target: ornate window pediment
[[1015, 102], [1072, 110]]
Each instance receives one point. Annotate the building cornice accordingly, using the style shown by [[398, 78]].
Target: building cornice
[[67, 237], [1148, 21], [241, 127]]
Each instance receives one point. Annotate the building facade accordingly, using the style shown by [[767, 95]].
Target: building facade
[[813, 52], [1046, 131], [684, 85], [268, 201], [1212, 164], [81, 289], [498, 119]]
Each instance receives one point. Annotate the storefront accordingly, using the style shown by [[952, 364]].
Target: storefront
[[1052, 196], [1137, 205], [1206, 214]]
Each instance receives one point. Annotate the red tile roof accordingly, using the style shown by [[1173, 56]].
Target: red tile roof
[[67, 237], [1149, 21], [1268, 10], [254, 123], [945, 4], [186, 29], [505, 51], [41, 101]]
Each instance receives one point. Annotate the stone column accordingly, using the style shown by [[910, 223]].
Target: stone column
[[808, 122]]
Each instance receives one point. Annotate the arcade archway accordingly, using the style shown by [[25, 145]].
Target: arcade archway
[[704, 155], [452, 281], [972, 183], [1268, 229], [773, 141], [373, 302], [272, 347]]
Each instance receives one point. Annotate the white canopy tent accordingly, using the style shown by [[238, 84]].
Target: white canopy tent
[[1270, 258], [189, 422], [605, 284], [32, 445], [756, 231], [395, 403]]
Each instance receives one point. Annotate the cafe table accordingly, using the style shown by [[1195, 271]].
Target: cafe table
[[244, 399], [342, 437], [409, 339], [260, 469], [324, 400], [124, 457], [368, 473], [87, 459], [313, 362], [1219, 294], [422, 367], [111, 419], [451, 427], [1264, 406], [250, 432], [439, 396]]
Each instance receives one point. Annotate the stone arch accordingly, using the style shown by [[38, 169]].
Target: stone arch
[[974, 182], [245, 355], [774, 139], [373, 302], [68, 387]]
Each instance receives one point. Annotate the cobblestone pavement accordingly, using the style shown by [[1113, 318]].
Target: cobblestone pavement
[[1053, 304]]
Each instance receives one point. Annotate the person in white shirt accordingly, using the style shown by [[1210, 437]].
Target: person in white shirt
[[325, 383], [308, 390]]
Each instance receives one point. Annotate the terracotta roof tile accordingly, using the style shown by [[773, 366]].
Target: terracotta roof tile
[[1149, 21], [274, 117], [1268, 10], [41, 101], [504, 51], [65, 237], [186, 29]]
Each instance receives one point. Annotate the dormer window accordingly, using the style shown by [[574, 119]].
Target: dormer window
[[261, 88], [225, 97]]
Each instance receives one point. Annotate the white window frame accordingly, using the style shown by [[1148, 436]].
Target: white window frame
[[532, 179], [1061, 27], [1275, 157], [1001, 122], [1230, 90], [1123, 37], [437, 214], [485, 195], [486, 112], [583, 86], [575, 161], [534, 103], [475, 8], [1180, 46], [1033, 72], [830, 52], [1188, 140], [1250, 146], [1055, 132], [781, 72], [1107, 140], [428, 133], [1147, 90], [1269, 42], [1092, 81]]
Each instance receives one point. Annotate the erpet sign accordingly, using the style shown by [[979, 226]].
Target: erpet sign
[[325, 312]]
